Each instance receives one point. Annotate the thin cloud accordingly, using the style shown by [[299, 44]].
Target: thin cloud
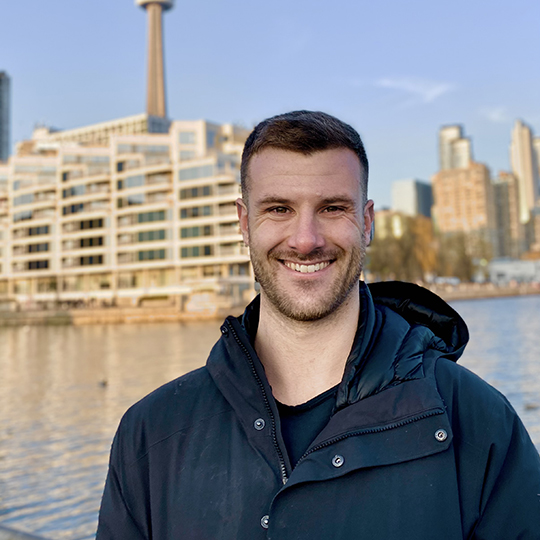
[[497, 115], [425, 90]]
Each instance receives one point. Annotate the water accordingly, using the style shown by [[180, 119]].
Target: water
[[64, 389]]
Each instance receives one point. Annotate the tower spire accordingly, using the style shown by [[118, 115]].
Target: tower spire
[[155, 97]]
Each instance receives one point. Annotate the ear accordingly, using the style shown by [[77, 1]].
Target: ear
[[242, 210], [369, 221]]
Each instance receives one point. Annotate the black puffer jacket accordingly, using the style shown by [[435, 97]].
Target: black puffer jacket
[[418, 447]]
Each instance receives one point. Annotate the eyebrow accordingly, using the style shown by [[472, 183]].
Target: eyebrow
[[272, 199]]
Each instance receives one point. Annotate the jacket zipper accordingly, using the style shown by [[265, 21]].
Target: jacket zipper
[[282, 466], [366, 431]]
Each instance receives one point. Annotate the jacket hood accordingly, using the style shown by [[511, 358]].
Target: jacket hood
[[401, 324], [420, 306]]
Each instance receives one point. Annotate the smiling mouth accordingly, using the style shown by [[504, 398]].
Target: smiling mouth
[[307, 268]]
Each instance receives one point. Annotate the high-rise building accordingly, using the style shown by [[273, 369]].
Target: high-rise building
[[412, 197], [511, 239], [4, 115], [155, 99], [525, 167], [455, 150], [463, 203], [536, 148]]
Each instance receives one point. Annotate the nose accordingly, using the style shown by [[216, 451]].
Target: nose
[[306, 234]]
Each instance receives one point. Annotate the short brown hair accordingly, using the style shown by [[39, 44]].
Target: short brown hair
[[305, 132]]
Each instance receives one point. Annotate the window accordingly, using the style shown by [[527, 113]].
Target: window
[[195, 211], [21, 216], [187, 137], [186, 155], [133, 181], [193, 232], [147, 217], [202, 171], [210, 139], [131, 200], [196, 251], [91, 242], [91, 224], [35, 248], [151, 255], [91, 260], [120, 166], [151, 236], [28, 198], [142, 149], [73, 192], [72, 209], [37, 265], [65, 176], [36, 231], [193, 193]]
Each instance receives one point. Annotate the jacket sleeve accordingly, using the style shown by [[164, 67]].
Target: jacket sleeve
[[510, 506], [122, 515], [497, 464], [115, 519]]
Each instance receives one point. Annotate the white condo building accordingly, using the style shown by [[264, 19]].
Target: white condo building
[[123, 211]]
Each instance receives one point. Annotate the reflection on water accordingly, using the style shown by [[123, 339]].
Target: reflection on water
[[62, 393], [504, 350], [64, 389]]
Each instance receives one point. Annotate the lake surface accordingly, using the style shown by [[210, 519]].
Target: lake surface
[[64, 389]]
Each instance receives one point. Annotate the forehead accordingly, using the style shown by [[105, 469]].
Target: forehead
[[336, 170]]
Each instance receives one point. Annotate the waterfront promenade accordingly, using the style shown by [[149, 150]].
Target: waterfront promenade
[[210, 311]]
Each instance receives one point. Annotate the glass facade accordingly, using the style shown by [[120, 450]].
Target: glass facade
[[202, 171], [151, 255], [195, 211], [151, 236]]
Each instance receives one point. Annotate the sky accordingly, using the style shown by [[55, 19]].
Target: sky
[[396, 71]]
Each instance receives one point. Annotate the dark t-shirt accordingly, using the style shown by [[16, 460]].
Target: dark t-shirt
[[300, 424]]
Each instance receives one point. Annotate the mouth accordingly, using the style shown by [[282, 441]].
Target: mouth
[[307, 268]]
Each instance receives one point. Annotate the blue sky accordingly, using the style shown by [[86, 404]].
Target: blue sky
[[395, 70]]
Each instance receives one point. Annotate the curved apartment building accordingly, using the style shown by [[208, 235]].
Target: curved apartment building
[[123, 212]]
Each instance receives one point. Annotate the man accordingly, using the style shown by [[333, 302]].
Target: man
[[329, 410]]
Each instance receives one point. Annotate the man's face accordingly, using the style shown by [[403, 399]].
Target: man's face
[[307, 229]]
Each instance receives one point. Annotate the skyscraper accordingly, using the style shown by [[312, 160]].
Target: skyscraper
[[463, 203], [525, 166], [4, 115], [155, 104], [455, 151], [510, 232], [412, 197]]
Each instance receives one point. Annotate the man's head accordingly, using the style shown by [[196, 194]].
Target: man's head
[[304, 132], [304, 213]]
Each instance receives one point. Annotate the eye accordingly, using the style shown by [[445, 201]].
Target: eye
[[333, 209], [278, 210]]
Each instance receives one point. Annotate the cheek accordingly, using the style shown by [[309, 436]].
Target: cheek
[[268, 233], [345, 234]]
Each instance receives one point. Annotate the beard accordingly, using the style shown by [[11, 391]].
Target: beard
[[311, 300]]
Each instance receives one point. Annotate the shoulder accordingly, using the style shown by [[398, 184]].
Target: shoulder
[[172, 408], [478, 411]]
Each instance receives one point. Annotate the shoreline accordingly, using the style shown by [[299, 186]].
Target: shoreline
[[171, 314], [7, 533]]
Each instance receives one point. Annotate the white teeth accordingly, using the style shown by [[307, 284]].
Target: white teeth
[[306, 268]]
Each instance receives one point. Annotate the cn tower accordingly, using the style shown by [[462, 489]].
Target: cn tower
[[155, 99]]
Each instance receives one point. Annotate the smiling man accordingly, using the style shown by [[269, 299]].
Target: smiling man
[[329, 410]]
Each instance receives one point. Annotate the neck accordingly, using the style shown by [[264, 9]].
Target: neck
[[304, 359]]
